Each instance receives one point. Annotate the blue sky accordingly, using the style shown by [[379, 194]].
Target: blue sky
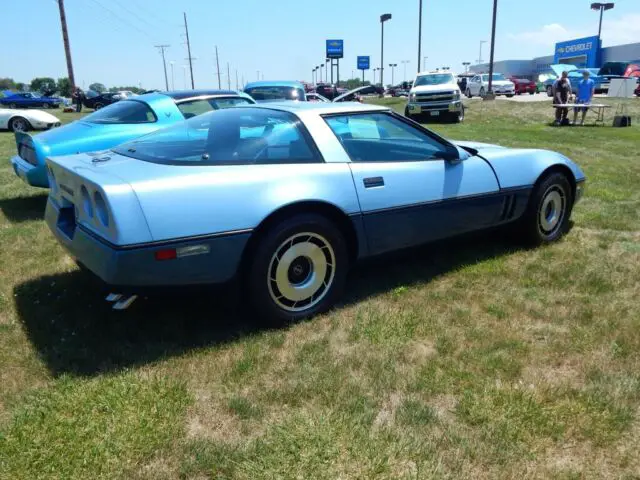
[[113, 41]]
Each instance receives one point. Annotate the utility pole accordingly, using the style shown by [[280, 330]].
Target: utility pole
[[218, 68], [67, 47], [173, 85], [186, 30], [383, 18], [228, 77], [419, 34], [237, 84], [164, 64], [493, 42]]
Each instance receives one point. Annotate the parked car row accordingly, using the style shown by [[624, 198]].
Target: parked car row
[[29, 100], [196, 188]]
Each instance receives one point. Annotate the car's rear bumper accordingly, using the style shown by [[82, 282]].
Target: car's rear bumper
[[34, 175], [136, 267]]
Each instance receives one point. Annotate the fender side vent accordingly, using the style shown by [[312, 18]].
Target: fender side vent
[[507, 207]]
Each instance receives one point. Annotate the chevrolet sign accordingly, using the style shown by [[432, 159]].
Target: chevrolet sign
[[583, 52], [335, 48]]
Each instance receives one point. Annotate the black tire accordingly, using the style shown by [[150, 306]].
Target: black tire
[[407, 114], [13, 105], [45, 105], [532, 93], [509, 95], [469, 93], [19, 124], [267, 259], [98, 106], [549, 91], [457, 117], [553, 194], [481, 92]]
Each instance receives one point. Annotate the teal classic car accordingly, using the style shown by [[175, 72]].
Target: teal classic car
[[115, 124]]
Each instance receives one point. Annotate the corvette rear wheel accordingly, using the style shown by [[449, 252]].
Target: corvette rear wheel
[[19, 124], [547, 216], [298, 269]]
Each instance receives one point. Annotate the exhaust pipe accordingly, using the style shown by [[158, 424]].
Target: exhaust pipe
[[122, 302]]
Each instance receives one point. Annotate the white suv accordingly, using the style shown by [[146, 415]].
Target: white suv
[[479, 85], [436, 95]]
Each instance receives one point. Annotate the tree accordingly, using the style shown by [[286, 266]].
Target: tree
[[43, 84], [97, 87], [64, 87], [352, 83], [7, 84], [20, 86]]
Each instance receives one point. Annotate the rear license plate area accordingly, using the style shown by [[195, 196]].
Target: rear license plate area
[[67, 221], [434, 113]]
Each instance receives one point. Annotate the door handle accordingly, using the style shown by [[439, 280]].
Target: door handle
[[371, 182]]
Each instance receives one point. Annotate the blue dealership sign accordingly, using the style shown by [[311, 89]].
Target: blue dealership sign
[[581, 52], [363, 63], [335, 48]]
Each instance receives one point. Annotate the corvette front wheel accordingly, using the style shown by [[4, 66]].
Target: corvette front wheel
[[298, 268], [547, 216]]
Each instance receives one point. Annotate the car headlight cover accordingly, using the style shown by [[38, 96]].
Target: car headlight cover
[[412, 97]]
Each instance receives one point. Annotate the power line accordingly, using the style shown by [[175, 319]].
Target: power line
[[133, 13], [120, 18]]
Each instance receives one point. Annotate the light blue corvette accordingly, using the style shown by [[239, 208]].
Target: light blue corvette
[[115, 124], [287, 196]]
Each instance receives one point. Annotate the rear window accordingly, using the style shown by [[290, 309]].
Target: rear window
[[228, 137], [125, 111], [192, 108], [272, 93]]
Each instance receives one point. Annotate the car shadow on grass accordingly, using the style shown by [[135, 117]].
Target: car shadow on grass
[[75, 331], [24, 209]]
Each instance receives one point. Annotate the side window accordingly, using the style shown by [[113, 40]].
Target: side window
[[229, 102], [381, 137], [124, 111], [193, 108]]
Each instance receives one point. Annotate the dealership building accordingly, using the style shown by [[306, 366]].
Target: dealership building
[[582, 52]]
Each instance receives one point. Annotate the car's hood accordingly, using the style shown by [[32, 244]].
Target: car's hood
[[502, 83], [562, 67], [435, 88], [82, 136], [479, 146]]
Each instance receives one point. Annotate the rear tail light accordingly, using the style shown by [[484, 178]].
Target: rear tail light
[[173, 253], [166, 254]]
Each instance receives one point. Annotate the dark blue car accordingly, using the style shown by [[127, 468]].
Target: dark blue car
[[29, 99]]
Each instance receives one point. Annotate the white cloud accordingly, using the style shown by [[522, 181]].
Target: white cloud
[[621, 30]]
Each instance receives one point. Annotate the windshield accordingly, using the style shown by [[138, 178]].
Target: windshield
[[233, 136], [275, 93], [434, 79], [124, 111], [496, 76]]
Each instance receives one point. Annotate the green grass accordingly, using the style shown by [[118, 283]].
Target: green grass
[[468, 359]]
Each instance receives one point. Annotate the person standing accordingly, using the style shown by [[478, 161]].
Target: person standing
[[561, 95], [78, 96], [586, 89]]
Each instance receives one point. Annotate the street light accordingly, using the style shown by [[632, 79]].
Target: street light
[[404, 63], [393, 66], [602, 7], [419, 34], [480, 55], [374, 75], [466, 66], [383, 18], [326, 74]]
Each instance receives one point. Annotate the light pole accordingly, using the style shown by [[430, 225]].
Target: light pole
[[419, 33], [404, 63], [258, 74], [393, 66], [383, 18], [184, 75], [480, 55], [326, 67], [318, 72], [493, 44], [466, 66], [173, 86], [602, 7]]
